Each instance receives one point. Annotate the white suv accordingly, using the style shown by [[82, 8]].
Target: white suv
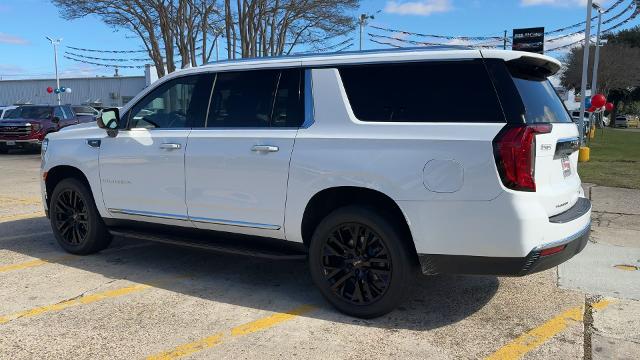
[[375, 166]]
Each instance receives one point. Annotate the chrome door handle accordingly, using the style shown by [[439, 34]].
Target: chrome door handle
[[265, 148], [168, 146]]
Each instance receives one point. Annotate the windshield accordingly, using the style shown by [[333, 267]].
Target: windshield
[[84, 110], [30, 112]]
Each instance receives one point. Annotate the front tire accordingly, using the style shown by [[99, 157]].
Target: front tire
[[360, 263], [75, 220]]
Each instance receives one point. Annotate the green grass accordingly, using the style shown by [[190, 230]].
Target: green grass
[[615, 159]]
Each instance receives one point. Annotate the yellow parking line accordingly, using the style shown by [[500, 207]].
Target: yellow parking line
[[83, 300], [532, 339], [7, 218], [246, 329], [20, 201]]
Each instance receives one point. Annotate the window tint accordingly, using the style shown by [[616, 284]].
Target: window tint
[[243, 99], [453, 91], [57, 111], [179, 103], [68, 113], [542, 103], [288, 109]]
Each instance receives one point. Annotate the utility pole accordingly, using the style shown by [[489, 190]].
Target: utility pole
[[504, 45], [585, 65], [55, 43]]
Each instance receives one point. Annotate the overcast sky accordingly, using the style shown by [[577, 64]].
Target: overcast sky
[[26, 53]]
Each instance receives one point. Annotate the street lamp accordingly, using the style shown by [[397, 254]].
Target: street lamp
[[55, 43], [362, 21], [585, 66]]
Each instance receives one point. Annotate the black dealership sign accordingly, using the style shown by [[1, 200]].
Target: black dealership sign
[[530, 39]]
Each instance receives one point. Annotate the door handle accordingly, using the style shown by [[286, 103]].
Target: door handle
[[168, 146], [265, 148]]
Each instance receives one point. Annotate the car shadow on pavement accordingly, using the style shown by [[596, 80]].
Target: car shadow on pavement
[[267, 285]]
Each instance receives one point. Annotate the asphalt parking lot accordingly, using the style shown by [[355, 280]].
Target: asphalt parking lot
[[146, 300]]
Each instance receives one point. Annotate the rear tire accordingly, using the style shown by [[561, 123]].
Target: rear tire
[[360, 263], [4, 149], [76, 223]]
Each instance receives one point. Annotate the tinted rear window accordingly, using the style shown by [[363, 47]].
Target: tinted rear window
[[451, 91], [542, 103], [31, 112]]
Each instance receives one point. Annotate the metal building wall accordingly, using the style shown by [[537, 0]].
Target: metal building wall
[[110, 91]]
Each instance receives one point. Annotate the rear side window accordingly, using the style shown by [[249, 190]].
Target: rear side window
[[449, 91], [541, 102], [257, 99]]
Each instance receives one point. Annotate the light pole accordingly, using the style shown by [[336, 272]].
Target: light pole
[[596, 58], [362, 21], [585, 65], [55, 43]]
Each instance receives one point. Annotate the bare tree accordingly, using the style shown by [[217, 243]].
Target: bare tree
[[186, 31]]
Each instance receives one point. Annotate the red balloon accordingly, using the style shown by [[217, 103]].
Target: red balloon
[[49, 89], [608, 106], [592, 109], [598, 100]]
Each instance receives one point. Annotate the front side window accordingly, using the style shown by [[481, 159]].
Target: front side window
[[68, 113], [257, 99], [438, 91], [57, 112], [178, 103]]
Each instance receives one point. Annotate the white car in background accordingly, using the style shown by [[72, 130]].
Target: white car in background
[[375, 166]]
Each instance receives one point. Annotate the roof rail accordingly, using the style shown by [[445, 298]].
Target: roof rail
[[341, 53]]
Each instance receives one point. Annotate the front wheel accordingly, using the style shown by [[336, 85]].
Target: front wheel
[[75, 221], [360, 262]]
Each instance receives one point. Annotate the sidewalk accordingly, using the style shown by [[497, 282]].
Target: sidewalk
[[608, 267]]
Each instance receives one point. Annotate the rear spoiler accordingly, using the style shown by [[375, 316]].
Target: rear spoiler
[[529, 63]]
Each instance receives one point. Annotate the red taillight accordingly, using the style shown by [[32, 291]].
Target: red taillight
[[515, 152], [553, 250]]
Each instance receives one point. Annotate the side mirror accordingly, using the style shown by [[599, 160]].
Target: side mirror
[[109, 119], [55, 120]]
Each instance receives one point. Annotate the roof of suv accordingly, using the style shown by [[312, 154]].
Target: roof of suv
[[376, 56]]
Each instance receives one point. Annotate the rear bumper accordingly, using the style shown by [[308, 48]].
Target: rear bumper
[[506, 266]]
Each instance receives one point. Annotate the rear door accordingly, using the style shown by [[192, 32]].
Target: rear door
[[556, 155], [237, 167]]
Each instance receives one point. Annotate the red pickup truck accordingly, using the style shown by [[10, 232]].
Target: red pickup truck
[[26, 126]]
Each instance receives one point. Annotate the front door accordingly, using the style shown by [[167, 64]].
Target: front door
[[237, 166], [142, 168]]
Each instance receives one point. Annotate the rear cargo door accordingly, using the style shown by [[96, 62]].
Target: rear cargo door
[[556, 154]]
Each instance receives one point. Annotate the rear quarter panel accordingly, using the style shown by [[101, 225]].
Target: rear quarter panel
[[339, 150]]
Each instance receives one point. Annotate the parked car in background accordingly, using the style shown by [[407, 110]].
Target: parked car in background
[[4, 110], [621, 122], [575, 116], [352, 161], [27, 125], [84, 110]]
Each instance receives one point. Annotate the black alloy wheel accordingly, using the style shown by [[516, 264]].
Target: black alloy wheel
[[71, 217], [356, 263], [362, 261], [75, 220]]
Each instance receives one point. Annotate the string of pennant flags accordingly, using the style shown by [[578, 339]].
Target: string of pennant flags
[[608, 21]]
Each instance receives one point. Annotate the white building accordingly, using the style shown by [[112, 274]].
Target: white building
[[96, 91]]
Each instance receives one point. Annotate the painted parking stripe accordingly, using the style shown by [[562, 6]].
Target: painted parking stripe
[[82, 300], [245, 329], [532, 339], [20, 201]]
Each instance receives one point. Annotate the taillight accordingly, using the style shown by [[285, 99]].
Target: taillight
[[515, 151]]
